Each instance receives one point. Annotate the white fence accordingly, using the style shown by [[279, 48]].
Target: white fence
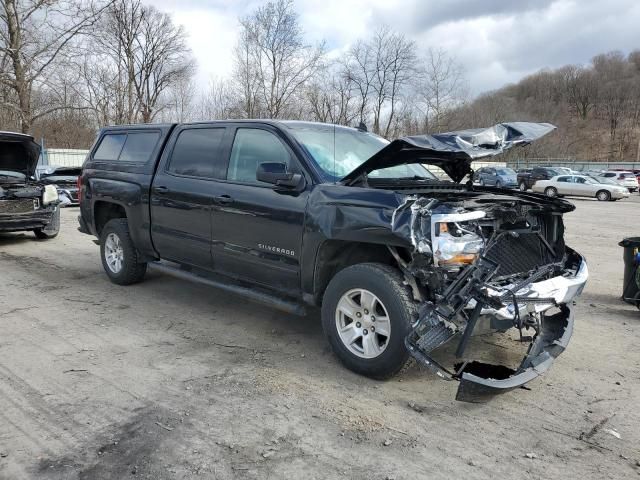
[[62, 157]]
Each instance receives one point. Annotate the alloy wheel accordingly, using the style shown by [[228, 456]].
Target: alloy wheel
[[363, 323]]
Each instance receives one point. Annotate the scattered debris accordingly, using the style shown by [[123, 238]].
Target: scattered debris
[[76, 370], [415, 407], [471, 463], [4, 454], [387, 442], [164, 426], [612, 432], [531, 455]]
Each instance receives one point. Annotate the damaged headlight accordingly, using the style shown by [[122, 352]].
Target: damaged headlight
[[49, 195], [455, 239]]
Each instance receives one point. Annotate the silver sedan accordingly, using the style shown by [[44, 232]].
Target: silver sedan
[[581, 186]]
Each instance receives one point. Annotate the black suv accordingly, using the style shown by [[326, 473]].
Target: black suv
[[297, 214]]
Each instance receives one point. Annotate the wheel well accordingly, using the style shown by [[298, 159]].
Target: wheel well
[[105, 211], [603, 190], [335, 255]]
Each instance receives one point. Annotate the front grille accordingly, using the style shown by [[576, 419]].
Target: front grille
[[21, 205]]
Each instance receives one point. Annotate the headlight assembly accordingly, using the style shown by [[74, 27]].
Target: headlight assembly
[[49, 195], [454, 239]]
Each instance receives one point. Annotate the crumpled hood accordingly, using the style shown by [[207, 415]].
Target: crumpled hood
[[18, 153], [453, 152]]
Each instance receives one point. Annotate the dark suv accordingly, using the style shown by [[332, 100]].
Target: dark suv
[[296, 214]]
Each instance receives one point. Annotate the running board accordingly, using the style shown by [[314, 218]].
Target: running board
[[258, 296]]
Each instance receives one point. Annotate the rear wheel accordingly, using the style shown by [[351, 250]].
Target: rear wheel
[[603, 196], [51, 230], [120, 259], [551, 192], [367, 312], [522, 186]]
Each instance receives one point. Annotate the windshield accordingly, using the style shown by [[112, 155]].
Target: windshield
[[352, 148], [627, 175], [505, 171]]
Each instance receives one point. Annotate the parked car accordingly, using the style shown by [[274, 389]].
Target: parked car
[[65, 179], [581, 186], [298, 214], [26, 204], [526, 180], [497, 176], [625, 178]]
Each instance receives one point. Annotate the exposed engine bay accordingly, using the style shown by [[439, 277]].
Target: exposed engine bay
[[25, 203], [488, 262]]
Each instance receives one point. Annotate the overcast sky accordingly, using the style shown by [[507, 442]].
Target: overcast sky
[[497, 41]]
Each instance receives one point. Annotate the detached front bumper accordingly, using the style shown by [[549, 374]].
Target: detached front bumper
[[479, 381], [18, 222]]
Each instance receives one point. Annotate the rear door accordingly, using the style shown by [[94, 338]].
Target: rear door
[[257, 228], [564, 185], [183, 193]]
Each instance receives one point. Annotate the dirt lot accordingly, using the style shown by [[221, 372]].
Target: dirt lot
[[168, 379]]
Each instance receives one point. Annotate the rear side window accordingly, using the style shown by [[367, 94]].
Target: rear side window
[[135, 147], [110, 147], [139, 147], [564, 179], [197, 153]]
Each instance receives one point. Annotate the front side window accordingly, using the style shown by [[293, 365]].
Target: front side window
[[251, 147], [196, 153]]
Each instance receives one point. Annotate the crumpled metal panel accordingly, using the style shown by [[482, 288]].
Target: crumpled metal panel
[[452, 151]]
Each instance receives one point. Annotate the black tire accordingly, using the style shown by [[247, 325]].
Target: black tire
[[387, 284], [498, 184], [551, 192], [133, 269], [603, 195], [522, 186], [51, 230]]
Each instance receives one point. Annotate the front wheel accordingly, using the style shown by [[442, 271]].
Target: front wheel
[[603, 196], [120, 259], [367, 312], [51, 230], [522, 186], [498, 184], [551, 192]]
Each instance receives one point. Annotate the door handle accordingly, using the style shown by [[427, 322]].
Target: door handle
[[223, 199], [161, 189]]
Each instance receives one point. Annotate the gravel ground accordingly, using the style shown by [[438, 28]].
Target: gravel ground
[[168, 379]]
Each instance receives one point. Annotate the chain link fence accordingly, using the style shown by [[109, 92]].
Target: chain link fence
[[574, 164]]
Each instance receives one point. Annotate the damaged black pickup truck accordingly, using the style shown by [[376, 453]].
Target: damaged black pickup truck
[[295, 214], [26, 204]]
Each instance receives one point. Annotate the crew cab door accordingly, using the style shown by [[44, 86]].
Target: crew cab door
[[183, 193], [257, 228]]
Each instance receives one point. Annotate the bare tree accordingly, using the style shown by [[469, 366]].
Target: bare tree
[[218, 101], [581, 89], [394, 66], [331, 98], [34, 34], [136, 65], [358, 70], [273, 49]]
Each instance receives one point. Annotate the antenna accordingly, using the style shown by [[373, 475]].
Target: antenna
[[334, 151]]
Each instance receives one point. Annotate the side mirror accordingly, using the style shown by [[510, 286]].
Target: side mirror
[[276, 174]]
